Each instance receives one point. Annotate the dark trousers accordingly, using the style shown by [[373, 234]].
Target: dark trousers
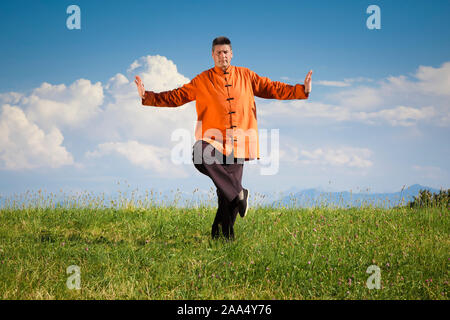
[[226, 174]]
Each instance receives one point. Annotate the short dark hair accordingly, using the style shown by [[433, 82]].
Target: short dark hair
[[220, 40]]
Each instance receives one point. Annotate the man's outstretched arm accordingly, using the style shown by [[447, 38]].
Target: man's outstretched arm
[[265, 88], [172, 98]]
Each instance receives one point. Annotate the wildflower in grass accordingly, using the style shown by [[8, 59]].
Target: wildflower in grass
[[87, 249], [309, 262]]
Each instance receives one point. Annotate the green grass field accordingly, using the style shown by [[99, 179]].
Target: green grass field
[[278, 253]]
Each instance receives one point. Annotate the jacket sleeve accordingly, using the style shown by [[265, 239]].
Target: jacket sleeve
[[172, 98], [265, 88]]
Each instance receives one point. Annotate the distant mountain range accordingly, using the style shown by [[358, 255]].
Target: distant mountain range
[[314, 197]]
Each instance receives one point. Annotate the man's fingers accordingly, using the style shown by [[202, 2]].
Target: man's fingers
[[308, 80], [139, 82]]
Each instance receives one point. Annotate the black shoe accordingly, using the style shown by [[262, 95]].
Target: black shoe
[[243, 204]]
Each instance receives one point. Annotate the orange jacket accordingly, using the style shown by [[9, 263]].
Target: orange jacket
[[226, 109]]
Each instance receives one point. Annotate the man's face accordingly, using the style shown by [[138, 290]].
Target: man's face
[[222, 55]]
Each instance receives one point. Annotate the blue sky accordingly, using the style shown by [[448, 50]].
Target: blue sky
[[377, 117]]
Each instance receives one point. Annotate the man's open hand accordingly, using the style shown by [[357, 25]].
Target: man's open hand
[[308, 82], [140, 86]]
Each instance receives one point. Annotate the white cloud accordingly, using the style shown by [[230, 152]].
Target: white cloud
[[158, 73], [395, 101], [434, 80], [333, 83], [325, 156], [98, 113], [346, 156], [142, 155], [295, 112], [61, 106], [359, 98], [430, 172], [358, 79], [125, 117], [10, 97], [398, 116], [23, 145]]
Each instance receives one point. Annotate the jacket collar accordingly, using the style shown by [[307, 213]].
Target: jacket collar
[[221, 72]]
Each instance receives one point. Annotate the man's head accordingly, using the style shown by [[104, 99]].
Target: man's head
[[222, 52]]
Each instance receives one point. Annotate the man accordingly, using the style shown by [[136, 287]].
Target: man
[[226, 130]]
